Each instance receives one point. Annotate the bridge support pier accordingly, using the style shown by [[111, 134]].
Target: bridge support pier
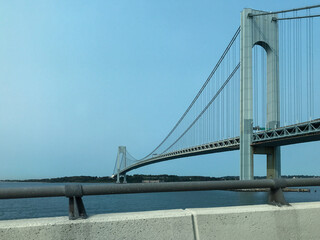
[[118, 178], [124, 178], [260, 30], [273, 163], [272, 153]]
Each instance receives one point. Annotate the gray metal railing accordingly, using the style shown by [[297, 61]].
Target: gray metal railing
[[75, 191]]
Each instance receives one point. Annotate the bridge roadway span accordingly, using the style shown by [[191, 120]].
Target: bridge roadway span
[[292, 134]]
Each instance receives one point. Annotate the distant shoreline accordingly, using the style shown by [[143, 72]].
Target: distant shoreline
[[139, 178]]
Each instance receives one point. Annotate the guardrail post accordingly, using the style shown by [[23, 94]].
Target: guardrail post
[[76, 206], [276, 196]]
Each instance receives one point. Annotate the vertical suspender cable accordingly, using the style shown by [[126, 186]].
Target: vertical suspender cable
[[289, 76], [308, 46], [296, 67], [312, 66]]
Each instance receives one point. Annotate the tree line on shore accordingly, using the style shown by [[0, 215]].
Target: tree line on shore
[[139, 178]]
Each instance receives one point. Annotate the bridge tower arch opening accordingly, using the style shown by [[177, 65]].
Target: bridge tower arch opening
[[259, 30]]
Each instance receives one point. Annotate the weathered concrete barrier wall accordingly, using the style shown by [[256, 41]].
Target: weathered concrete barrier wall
[[299, 221]]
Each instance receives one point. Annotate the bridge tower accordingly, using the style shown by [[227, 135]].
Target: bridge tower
[[258, 30], [121, 157]]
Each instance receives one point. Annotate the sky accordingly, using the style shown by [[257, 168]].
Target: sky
[[80, 78]]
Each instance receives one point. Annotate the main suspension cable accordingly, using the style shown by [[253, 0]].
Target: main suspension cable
[[208, 105], [200, 91], [283, 11]]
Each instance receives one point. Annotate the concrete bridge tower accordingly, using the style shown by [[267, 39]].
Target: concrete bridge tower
[[121, 158], [258, 30]]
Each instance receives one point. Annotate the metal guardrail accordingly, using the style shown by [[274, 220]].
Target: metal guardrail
[[75, 191]]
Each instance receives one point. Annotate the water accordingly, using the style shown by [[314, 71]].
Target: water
[[58, 206]]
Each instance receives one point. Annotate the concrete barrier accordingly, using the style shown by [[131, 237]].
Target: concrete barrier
[[299, 221]]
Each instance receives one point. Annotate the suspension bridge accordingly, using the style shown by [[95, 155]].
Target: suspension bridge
[[259, 96]]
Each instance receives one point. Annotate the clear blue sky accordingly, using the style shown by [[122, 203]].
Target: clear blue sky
[[80, 78]]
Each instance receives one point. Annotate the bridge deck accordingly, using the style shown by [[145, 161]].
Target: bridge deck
[[297, 133]]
